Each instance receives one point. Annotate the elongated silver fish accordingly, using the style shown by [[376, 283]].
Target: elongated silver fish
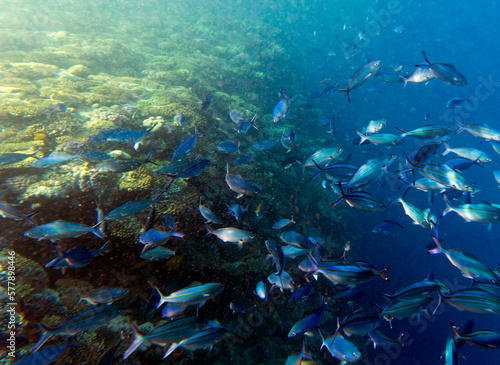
[[446, 72], [230, 234], [360, 77], [195, 294], [237, 184]]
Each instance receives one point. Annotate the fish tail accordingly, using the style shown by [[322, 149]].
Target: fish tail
[[46, 334], [460, 126], [438, 249], [79, 295], [322, 339], [252, 122], [405, 81], [425, 57], [196, 132], [161, 298], [209, 230], [362, 136], [337, 201], [447, 150], [138, 340], [320, 169], [347, 91], [382, 274], [448, 207], [456, 331], [28, 218], [97, 231], [313, 262]]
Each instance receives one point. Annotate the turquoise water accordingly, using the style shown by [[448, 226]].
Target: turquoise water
[[72, 70]]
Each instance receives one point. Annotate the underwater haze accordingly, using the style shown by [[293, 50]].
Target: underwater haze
[[249, 182]]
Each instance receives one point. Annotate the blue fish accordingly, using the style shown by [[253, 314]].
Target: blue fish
[[208, 214], [129, 135], [446, 72], [153, 238], [168, 332], [128, 209], [75, 258], [7, 211], [307, 324], [301, 293], [278, 257], [103, 295], [46, 356], [187, 145], [456, 101], [297, 240], [360, 77], [157, 253], [207, 100], [95, 157], [53, 161], [199, 341], [11, 158], [173, 168], [194, 294], [386, 226], [284, 222], [61, 229], [281, 109], [193, 168], [228, 147], [85, 321], [237, 184], [103, 136], [244, 125], [261, 290], [243, 160], [236, 211]]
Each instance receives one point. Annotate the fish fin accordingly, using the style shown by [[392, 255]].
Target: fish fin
[[171, 349], [405, 81], [448, 207], [172, 310], [209, 230], [362, 136], [46, 334], [162, 298], [138, 340], [438, 249], [347, 91], [460, 126], [447, 150]]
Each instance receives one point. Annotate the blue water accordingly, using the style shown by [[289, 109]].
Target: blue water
[[243, 52]]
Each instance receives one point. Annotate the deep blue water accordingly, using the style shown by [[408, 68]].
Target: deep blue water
[[342, 36]]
